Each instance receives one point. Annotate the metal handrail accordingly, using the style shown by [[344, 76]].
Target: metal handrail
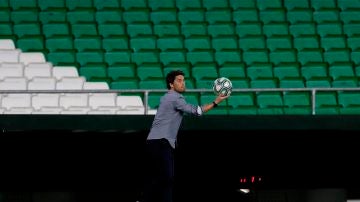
[[147, 91]]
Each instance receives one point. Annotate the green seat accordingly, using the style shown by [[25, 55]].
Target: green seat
[[148, 70], [148, 55], [89, 71], [306, 41], [325, 99], [316, 69], [207, 98], [125, 84], [31, 43], [310, 55], [61, 57], [139, 28], [326, 14], [136, 15], [24, 15], [296, 99], [48, 5], [75, 4], [54, 15], [280, 56], [101, 4], [318, 82], [292, 82], [197, 42], [205, 83], [286, 70], [293, 4], [302, 28], [267, 4], [256, 56], [355, 56], [23, 29], [192, 98], [224, 42], [218, 111], [218, 15], [243, 15], [352, 28], [241, 99], [249, 28], [264, 83], [228, 56], [329, 28], [185, 67], [109, 15], [18, 4], [273, 110], [353, 42], [348, 98], [167, 28], [337, 55], [239, 82], [259, 70], [54, 29], [349, 15], [158, 4], [279, 42], [299, 14], [221, 28], [276, 28], [170, 42], [337, 70], [191, 15], [118, 42], [327, 110], [87, 43], [198, 56], [111, 29], [298, 110], [269, 99], [119, 71], [81, 15], [91, 56], [345, 82], [350, 110], [270, 15], [202, 70], [6, 29], [235, 4], [252, 41], [348, 4], [319, 4], [194, 28], [117, 56], [163, 15], [173, 56], [212, 5], [127, 4], [5, 14], [246, 110], [183, 4], [84, 29], [232, 69], [143, 42]]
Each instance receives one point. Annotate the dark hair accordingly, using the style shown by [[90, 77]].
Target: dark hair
[[170, 77]]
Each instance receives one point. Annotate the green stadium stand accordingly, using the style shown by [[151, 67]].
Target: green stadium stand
[[218, 15], [310, 55], [287, 70], [116, 42], [19, 4], [345, 82], [198, 56], [191, 15], [241, 99], [146, 55], [136, 15], [243, 15], [164, 29], [280, 56], [348, 98], [62, 58], [84, 29], [139, 28], [264, 82], [297, 99], [224, 42], [240, 82], [109, 15], [326, 103], [90, 56], [34, 43], [333, 41], [142, 42], [93, 70], [248, 28], [117, 56], [276, 28], [81, 15], [163, 15], [337, 70], [170, 42], [54, 15], [255, 56], [259, 70], [170, 56], [107, 4], [184, 4], [294, 4], [45, 5], [320, 4], [148, 70], [228, 56], [319, 82], [87, 43], [202, 70], [329, 28], [292, 82], [337, 55], [24, 29], [252, 41], [197, 42], [279, 42], [183, 66], [272, 15], [299, 14], [119, 71], [54, 29], [24, 15], [75, 4], [111, 29], [326, 14], [194, 28], [314, 69], [221, 28], [302, 28], [306, 41]]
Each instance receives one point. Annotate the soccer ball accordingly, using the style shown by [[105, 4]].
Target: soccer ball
[[222, 86]]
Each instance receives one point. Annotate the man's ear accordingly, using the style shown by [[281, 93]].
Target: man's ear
[[171, 85]]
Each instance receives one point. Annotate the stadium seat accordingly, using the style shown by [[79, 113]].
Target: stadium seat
[[23, 29], [326, 14], [148, 70], [142, 42], [218, 15], [310, 55], [294, 4], [184, 4], [85, 29], [276, 28], [320, 4], [117, 56], [139, 28], [221, 28], [108, 4], [286, 70], [279, 42], [252, 41], [224, 42], [125, 83], [90, 56], [280, 56], [13, 83], [75, 4], [306, 41], [69, 100], [87, 43], [53, 15], [202, 70], [315, 69], [11, 56], [302, 28], [269, 99], [42, 83], [163, 15], [24, 15], [173, 56], [17, 101], [121, 70], [345, 82], [56, 28], [71, 83], [93, 71], [337, 55], [329, 28], [198, 56], [18, 4], [164, 29], [256, 56], [297, 99], [34, 57], [248, 28], [11, 70], [183, 66], [81, 15], [135, 15], [58, 43], [319, 82], [228, 56], [337, 70], [127, 4], [64, 71], [299, 14], [243, 15], [170, 42], [270, 15], [33, 69], [348, 98], [259, 70], [194, 28], [62, 57], [148, 55], [264, 82], [292, 82], [109, 15]]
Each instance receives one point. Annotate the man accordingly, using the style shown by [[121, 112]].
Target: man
[[161, 140]]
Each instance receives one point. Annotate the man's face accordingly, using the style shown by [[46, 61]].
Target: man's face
[[179, 84]]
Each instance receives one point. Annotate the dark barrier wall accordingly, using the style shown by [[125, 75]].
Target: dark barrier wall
[[106, 154]]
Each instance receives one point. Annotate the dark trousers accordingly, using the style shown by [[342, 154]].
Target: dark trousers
[[160, 171]]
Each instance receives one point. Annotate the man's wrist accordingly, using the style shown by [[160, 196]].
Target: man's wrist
[[214, 104]]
